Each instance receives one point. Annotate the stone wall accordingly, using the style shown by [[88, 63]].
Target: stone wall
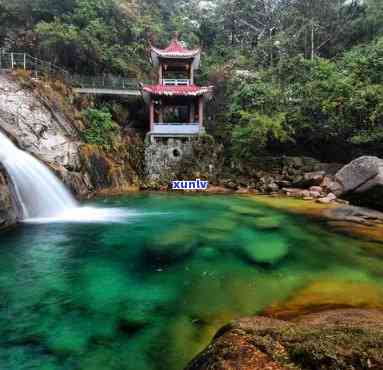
[[182, 159], [163, 158]]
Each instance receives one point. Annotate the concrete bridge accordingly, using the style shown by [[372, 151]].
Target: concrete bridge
[[89, 85]]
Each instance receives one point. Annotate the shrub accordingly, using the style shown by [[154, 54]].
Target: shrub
[[102, 130]]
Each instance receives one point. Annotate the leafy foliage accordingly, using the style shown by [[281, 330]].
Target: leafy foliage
[[251, 138], [292, 76], [102, 130]]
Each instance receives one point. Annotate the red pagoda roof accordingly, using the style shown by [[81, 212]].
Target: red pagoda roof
[[163, 90], [175, 50]]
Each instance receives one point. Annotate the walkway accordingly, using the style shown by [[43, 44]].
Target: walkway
[[90, 85]]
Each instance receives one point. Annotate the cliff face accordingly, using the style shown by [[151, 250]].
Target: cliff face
[[39, 127], [7, 211], [42, 121]]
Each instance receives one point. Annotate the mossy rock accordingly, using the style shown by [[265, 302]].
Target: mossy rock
[[274, 222], [338, 339], [263, 247], [173, 245], [207, 253], [218, 231], [247, 211]]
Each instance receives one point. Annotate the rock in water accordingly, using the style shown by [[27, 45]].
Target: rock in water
[[362, 182], [338, 339], [171, 246], [264, 247]]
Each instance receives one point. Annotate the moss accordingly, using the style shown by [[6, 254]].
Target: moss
[[327, 341]]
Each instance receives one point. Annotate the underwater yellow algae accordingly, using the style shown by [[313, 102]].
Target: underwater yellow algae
[[209, 304], [373, 232], [293, 205], [370, 230], [328, 294], [250, 295]]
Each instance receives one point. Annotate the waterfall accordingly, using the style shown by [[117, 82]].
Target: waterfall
[[39, 192]]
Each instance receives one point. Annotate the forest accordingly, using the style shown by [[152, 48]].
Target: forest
[[291, 77]]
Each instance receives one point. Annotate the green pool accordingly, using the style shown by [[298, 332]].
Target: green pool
[[149, 291]]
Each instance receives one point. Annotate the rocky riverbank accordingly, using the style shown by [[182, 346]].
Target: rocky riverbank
[[338, 339]]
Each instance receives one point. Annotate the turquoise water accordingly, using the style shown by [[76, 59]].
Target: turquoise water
[[148, 293]]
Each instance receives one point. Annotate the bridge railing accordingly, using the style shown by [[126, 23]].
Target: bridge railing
[[39, 68], [105, 82]]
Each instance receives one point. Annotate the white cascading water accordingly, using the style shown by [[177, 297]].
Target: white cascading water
[[41, 195]]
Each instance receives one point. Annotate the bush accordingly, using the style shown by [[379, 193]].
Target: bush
[[102, 130]]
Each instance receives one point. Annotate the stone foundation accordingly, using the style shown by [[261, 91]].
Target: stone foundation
[[163, 157], [168, 159]]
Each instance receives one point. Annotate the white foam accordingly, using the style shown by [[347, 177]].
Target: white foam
[[39, 192], [88, 215]]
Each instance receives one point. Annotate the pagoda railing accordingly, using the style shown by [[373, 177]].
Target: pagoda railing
[[175, 82], [176, 123], [177, 128]]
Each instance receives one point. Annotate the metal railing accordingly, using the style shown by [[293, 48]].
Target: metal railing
[[175, 123], [171, 128], [105, 82], [175, 82], [39, 68]]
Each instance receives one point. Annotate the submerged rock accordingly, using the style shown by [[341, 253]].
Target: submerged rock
[[173, 245], [269, 222], [338, 339], [263, 247], [354, 214]]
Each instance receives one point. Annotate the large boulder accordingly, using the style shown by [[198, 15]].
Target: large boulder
[[337, 339], [361, 182]]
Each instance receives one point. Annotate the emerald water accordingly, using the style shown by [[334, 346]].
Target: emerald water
[[149, 292]]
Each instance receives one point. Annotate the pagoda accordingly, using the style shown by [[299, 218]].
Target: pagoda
[[176, 103]]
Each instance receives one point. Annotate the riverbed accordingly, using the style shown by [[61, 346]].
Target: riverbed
[[148, 289]]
